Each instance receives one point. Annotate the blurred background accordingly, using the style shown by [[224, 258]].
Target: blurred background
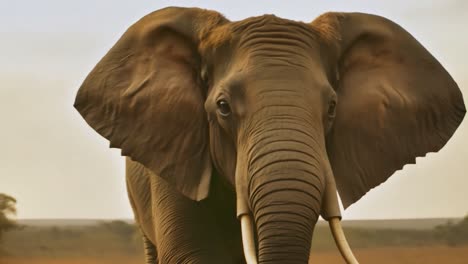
[[68, 187]]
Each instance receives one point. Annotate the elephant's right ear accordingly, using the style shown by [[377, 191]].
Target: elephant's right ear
[[146, 98]]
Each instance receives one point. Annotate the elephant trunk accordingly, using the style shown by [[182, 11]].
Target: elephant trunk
[[284, 181], [285, 217], [285, 187]]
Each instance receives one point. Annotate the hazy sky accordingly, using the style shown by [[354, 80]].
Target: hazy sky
[[58, 167]]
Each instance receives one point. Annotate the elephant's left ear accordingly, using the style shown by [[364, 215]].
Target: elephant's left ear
[[395, 101], [145, 96]]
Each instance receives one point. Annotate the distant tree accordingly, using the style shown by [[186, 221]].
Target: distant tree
[[454, 234], [7, 210]]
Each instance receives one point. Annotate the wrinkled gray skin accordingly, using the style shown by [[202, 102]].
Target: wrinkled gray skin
[[261, 117], [184, 231]]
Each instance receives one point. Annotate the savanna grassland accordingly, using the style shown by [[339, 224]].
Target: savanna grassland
[[118, 242]]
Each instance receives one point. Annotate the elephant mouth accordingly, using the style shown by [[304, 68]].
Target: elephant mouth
[[250, 252]]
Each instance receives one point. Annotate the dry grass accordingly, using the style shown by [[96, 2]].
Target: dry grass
[[400, 255], [415, 255], [74, 260], [120, 243]]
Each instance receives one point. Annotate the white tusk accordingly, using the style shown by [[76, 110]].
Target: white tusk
[[248, 240], [340, 240]]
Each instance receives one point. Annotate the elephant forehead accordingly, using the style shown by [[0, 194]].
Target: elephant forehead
[[269, 29], [265, 22], [266, 29], [271, 42]]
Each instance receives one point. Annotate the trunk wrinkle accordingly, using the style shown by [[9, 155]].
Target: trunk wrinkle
[[255, 158], [295, 141], [281, 175], [280, 229], [287, 179], [305, 123], [277, 106], [286, 160], [266, 194], [282, 237], [288, 130], [288, 205]]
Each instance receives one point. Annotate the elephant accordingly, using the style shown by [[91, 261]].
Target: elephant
[[239, 134]]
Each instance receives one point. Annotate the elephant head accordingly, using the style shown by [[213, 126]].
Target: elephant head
[[281, 109]]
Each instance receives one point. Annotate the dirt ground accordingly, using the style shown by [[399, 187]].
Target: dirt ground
[[84, 260], [426, 255], [416, 255]]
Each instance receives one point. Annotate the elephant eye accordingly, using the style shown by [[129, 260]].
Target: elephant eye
[[223, 107]]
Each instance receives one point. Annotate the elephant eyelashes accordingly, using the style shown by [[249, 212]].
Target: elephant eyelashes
[[223, 108]]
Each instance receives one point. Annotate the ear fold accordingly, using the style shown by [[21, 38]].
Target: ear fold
[[145, 97], [395, 101]]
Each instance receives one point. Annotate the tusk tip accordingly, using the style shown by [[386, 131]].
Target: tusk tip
[[340, 240], [248, 240]]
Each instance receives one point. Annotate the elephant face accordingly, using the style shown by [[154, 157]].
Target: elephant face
[[258, 77], [281, 109]]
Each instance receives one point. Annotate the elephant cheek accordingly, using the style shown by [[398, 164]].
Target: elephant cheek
[[223, 153]]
